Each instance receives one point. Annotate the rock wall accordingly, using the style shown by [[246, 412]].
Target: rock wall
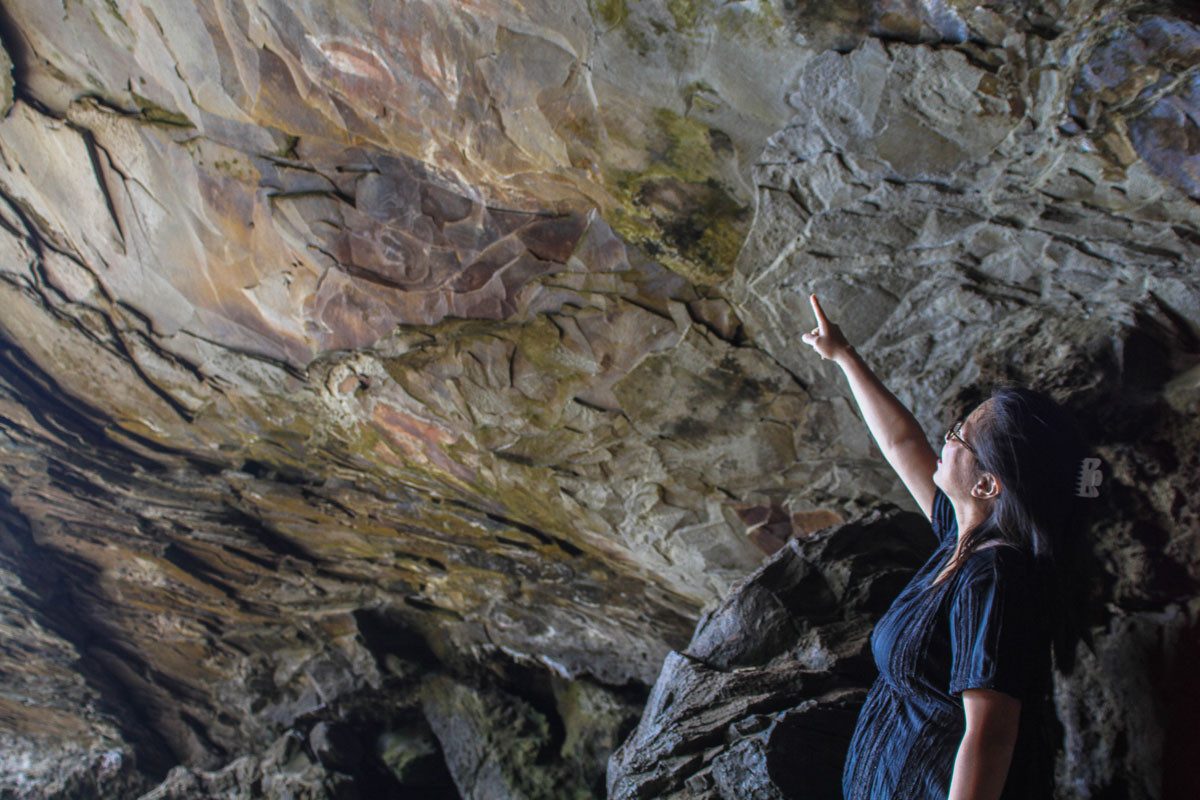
[[424, 369], [763, 701]]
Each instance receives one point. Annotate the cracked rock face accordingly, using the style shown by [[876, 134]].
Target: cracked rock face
[[423, 370], [764, 699]]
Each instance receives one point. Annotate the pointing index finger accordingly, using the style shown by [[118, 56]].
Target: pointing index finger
[[822, 320]]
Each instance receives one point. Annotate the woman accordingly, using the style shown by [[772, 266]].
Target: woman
[[963, 654]]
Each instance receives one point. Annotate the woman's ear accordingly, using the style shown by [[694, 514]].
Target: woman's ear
[[988, 487]]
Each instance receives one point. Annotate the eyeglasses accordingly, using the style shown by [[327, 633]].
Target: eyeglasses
[[954, 434]]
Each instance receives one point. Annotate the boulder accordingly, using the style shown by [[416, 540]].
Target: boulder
[[763, 701]]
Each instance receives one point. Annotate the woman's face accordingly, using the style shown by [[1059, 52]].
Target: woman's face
[[958, 469]]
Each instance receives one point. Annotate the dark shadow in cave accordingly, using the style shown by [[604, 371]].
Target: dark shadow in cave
[[52, 580], [49, 592], [1181, 744]]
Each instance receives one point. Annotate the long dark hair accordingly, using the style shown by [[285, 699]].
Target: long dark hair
[[1034, 447], [1031, 443]]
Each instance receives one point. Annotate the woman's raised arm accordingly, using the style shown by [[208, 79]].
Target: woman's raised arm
[[893, 426]]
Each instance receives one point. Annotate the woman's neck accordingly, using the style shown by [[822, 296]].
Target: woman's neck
[[969, 514]]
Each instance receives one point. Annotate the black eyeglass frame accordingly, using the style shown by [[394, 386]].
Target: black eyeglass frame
[[954, 434]]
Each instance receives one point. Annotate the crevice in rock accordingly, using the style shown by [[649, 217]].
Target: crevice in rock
[[51, 584]]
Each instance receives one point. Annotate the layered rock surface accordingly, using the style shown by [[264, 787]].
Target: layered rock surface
[[763, 701], [426, 368]]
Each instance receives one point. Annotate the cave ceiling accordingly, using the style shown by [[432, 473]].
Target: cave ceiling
[[478, 322]]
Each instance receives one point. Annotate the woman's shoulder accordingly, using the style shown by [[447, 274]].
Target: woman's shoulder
[[941, 517], [997, 560]]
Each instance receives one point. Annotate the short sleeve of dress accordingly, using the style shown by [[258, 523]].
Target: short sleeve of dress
[[993, 629], [945, 524]]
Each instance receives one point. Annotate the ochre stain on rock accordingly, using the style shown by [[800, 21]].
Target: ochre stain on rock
[[419, 440]]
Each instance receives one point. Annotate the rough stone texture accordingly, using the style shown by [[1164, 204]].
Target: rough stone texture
[[763, 701], [764, 698], [353, 348]]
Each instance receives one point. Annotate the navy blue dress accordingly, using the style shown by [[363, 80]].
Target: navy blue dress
[[982, 628]]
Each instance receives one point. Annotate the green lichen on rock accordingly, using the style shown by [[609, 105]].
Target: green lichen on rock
[[689, 152], [677, 208], [6, 82], [753, 21], [288, 148], [757, 22], [154, 113], [686, 13], [521, 430], [609, 12], [115, 12], [110, 11]]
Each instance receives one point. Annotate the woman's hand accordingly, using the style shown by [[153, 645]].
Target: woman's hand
[[893, 427], [826, 338]]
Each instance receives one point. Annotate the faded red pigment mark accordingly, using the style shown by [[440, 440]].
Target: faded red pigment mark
[[419, 441], [770, 527]]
